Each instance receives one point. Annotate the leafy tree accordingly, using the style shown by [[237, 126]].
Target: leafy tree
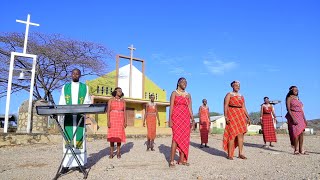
[[56, 57], [255, 117]]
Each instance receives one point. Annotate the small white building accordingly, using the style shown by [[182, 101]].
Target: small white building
[[282, 125], [216, 121], [309, 131], [254, 129]]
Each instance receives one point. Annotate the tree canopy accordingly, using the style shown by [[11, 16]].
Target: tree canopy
[[57, 56]]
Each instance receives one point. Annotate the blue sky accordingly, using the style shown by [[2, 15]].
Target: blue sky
[[266, 45]]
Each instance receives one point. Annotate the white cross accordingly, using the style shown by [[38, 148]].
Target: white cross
[[28, 23], [130, 76]]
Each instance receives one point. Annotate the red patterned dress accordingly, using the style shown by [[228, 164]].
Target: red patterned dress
[[204, 124], [116, 131], [181, 124], [297, 112], [151, 121], [269, 133], [237, 125]]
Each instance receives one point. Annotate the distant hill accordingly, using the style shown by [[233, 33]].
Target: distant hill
[[315, 124]]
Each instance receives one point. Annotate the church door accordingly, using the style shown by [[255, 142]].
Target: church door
[[130, 116]]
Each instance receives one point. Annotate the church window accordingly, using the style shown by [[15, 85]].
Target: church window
[[98, 89], [102, 88], [107, 90]]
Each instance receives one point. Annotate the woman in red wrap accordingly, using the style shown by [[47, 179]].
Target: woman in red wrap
[[151, 116], [237, 118], [179, 121], [116, 121], [296, 120], [267, 120], [204, 121]]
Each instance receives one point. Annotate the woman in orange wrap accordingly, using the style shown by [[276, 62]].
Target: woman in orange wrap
[[179, 120], [204, 121], [237, 118], [117, 121], [151, 116]]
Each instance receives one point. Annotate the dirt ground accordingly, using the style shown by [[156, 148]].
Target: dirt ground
[[41, 161]]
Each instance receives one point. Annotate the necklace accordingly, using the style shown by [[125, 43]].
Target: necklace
[[117, 99], [181, 93]]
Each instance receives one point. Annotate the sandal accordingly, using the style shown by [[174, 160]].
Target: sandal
[[119, 156], [271, 145], [230, 158], [184, 163], [296, 153], [171, 164], [152, 149], [242, 157], [111, 156]]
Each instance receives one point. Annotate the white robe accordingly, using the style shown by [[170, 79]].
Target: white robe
[[69, 160]]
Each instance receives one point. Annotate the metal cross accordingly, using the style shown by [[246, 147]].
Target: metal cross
[[28, 23], [131, 48]]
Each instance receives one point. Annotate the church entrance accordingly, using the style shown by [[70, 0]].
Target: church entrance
[[130, 116]]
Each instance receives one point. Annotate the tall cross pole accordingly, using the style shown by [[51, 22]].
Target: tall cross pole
[[33, 71], [131, 48], [28, 23]]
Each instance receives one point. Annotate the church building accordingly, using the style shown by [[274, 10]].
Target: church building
[[140, 86]]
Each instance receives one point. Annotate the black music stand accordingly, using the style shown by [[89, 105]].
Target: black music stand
[[82, 109]]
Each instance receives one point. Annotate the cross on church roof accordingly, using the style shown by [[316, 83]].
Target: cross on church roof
[[130, 73], [28, 23]]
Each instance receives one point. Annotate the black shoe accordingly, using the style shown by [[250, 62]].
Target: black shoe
[[64, 170]]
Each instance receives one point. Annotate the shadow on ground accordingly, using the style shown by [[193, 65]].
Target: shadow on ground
[[166, 151], [210, 150]]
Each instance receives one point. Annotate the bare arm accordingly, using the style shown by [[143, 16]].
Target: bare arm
[[261, 113], [145, 115], [274, 115], [209, 116], [305, 120], [108, 113], [199, 114], [173, 95], [226, 106], [246, 112], [190, 108], [157, 115], [125, 113], [191, 112]]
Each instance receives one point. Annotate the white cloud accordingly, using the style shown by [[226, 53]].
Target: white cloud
[[219, 67], [174, 64]]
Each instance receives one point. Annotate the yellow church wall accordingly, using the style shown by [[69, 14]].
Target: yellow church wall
[[162, 116], [108, 82], [151, 87]]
